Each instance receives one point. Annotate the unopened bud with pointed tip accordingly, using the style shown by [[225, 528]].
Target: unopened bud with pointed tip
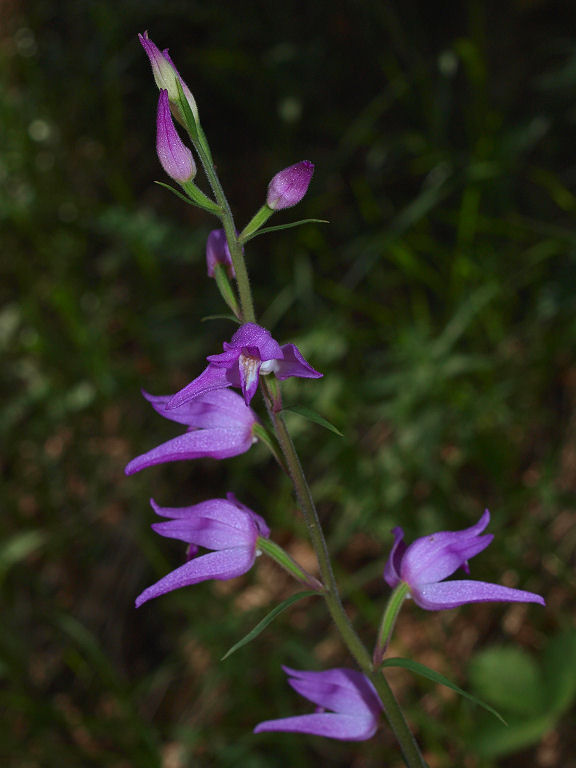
[[289, 186], [174, 155], [217, 252], [166, 75]]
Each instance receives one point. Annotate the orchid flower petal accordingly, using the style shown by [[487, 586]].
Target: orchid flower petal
[[212, 377], [208, 533], [452, 594], [435, 557], [206, 443], [294, 364], [222, 565], [217, 408], [328, 724], [394, 562]]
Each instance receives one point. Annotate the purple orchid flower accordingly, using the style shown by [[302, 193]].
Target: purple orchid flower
[[217, 252], [223, 525], [251, 352], [355, 705], [174, 155], [166, 75], [424, 564], [219, 424], [289, 186]]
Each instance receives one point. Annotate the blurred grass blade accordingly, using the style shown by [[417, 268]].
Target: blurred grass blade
[[18, 547], [268, 619], [311, 415], [436, 677]]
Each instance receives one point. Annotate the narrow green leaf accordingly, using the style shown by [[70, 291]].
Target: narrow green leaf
[[220, 317], [284, 226], [175, 192], [436, 677], [268, 619], [311, 415]]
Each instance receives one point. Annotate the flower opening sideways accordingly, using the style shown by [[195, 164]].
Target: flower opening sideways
[[225, 526], [217, 252], [289, 186], [251, 352], [424, 564], [220, 425], [351, 697], [174, 155]]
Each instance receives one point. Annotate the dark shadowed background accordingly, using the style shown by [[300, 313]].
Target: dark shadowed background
[[439, 302]]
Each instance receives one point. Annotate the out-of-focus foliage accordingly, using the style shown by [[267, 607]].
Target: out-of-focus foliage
[[439, 303]]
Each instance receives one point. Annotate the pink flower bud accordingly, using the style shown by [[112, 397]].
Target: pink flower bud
[[217, 252], [174, 156], [289, 186], [165, 73]]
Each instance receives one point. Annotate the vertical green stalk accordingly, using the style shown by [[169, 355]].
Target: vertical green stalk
[[395, 716]]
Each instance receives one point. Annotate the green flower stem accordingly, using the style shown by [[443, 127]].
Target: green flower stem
[[388, 621], [408, 745], [203, 149], [259, 218], [287, 562], [242, 280]]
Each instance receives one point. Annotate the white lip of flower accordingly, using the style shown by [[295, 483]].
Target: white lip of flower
[[269, 366], [250, 365]]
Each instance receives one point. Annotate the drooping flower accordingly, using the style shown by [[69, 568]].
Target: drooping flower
[[165, 73], [220, 425], [424, 564], [225, 526], [355, 705], [250, 353], [217, 252], [174, 155], [289, 186]]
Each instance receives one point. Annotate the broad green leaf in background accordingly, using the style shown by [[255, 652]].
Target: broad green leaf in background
[[509, 679], [559, 667]]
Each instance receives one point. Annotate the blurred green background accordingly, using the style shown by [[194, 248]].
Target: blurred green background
[[439, 302]]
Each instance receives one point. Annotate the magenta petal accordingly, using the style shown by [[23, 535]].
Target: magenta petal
[[289, 186], [332, 726], [222, 565], [209, 533], [392, 568], [213, 377], [294, 364], [174, 155], [263, 529], [204, 443], [435, 557], [451, 594], [217, 408], [218, 252], [253, 335], [343, 690]]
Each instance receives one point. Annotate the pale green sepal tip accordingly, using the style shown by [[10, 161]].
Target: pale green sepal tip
[[225, 288], [200, 199]]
